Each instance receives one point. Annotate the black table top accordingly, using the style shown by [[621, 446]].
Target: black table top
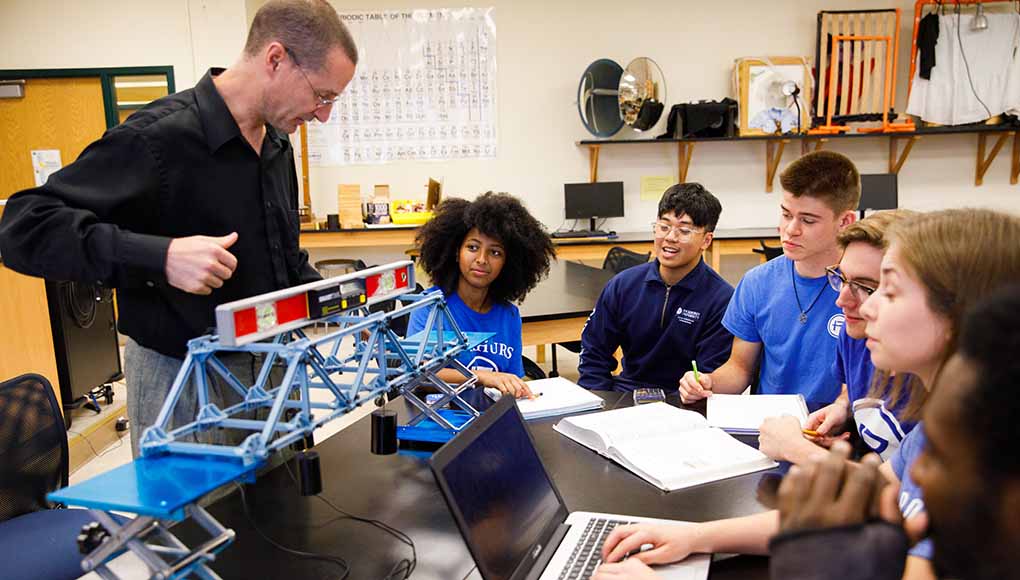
[[570, 290], [401, 491]]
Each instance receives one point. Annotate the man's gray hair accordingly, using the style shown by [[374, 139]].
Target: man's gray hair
[[308, 28]]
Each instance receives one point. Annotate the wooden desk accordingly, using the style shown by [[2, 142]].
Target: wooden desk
[[27, 345], [727, 242], [739, 241]]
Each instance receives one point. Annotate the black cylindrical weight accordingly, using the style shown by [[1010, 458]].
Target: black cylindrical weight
[[384, 431]]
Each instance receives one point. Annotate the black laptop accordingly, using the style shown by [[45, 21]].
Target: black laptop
[[510, 513]]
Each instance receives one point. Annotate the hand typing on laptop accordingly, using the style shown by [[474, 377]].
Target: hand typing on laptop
[[631, 569], [648, 543]]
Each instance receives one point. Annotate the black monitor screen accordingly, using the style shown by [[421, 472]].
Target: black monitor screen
[[878, 191], [504, 496], [587, 200]]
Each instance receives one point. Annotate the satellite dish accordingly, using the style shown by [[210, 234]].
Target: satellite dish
[[597, 98], [642, 92]]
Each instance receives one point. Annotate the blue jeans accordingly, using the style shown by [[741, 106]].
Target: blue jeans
[[149, 376]]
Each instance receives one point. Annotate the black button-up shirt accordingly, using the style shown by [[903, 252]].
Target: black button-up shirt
[[179, 167]]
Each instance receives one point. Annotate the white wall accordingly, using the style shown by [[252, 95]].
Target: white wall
[[542, 49], [190, 35]]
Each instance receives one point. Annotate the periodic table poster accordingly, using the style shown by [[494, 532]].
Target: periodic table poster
[[425, 88]]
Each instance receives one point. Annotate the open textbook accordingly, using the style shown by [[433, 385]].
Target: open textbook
[[744, 414], [556, 396], [668, 447]]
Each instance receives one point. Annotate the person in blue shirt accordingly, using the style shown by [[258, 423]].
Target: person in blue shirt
[[959, 481], [937, 267], [665, 313], [855, 278], [483, 255], [784, 311]]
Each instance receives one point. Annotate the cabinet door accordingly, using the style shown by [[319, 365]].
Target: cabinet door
[[63, 114]]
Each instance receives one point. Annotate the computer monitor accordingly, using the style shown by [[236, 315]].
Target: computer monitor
[[602, 199], [878, 191]]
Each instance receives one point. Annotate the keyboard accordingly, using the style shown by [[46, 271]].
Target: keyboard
[[587, 553], [580, 234]]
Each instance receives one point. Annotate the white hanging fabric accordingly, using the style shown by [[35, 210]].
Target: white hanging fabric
[[954, 97]]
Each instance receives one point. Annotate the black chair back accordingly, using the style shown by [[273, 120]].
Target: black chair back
[[769, 252], [619, 259], [33, 446]]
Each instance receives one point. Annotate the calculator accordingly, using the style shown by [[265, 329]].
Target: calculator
[[648, 395]]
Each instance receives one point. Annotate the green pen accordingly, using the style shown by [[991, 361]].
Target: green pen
[[697, 376]]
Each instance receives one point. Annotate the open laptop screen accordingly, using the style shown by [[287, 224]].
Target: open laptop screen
[[499, 491]]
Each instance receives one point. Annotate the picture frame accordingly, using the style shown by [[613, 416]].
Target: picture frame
[[752, 78]]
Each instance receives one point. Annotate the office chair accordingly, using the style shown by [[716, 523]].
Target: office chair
[[770, 252], [617, 260], [531, 369], [37, 540], [337, 266]]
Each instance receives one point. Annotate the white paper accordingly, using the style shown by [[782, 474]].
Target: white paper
[[425, 88], [555, 396], [746, 413], [45, 162]]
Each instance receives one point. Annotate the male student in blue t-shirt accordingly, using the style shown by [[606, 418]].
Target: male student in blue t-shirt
[[855, 278], [784, 311], [667, 312]]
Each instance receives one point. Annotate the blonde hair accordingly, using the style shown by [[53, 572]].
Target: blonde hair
[[873, 230], [959, 256]]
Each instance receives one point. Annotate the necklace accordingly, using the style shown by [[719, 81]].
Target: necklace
[[803, 313]]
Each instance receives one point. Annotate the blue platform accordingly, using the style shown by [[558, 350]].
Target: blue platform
[[160, 486], [428, 431], [473, 339]]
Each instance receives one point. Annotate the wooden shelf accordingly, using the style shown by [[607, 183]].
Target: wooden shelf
[[775, 146]]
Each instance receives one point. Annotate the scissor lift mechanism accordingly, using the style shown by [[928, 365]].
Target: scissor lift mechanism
[[176, 471]]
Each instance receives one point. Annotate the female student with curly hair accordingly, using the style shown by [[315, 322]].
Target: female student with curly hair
[[484, 255], [937, 266]]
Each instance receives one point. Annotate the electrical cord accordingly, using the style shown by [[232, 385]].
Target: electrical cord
[[297, 553], [403, 568], [966, 64], [120, 443]]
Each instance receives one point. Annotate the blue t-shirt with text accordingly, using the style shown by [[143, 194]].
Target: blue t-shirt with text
[[911, 499], [797, 358], [501, 352], [879, 428]]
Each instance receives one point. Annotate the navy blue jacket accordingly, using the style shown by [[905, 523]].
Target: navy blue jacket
[[660, 328]]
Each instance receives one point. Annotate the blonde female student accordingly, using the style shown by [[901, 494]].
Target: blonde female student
[[937, 266]]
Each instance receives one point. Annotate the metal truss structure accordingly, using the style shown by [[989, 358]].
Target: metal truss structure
[[177, 468]]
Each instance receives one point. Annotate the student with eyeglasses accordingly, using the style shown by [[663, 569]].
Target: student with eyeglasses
[[783, 312], [665, 313], [937, 267], [192, 201], [854, 278]]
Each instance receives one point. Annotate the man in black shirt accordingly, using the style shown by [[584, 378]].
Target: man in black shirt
[[192, 201]]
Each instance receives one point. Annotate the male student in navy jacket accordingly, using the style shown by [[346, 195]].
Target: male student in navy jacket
[[666, 313]]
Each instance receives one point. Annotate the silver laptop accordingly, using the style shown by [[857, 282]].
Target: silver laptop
[[511, 515]]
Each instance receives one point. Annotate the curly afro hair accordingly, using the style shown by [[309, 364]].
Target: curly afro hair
[[497, 215]]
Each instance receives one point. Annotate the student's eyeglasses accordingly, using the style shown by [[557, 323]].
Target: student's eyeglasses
[[837, 279], [684, 232], [320, 99]]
